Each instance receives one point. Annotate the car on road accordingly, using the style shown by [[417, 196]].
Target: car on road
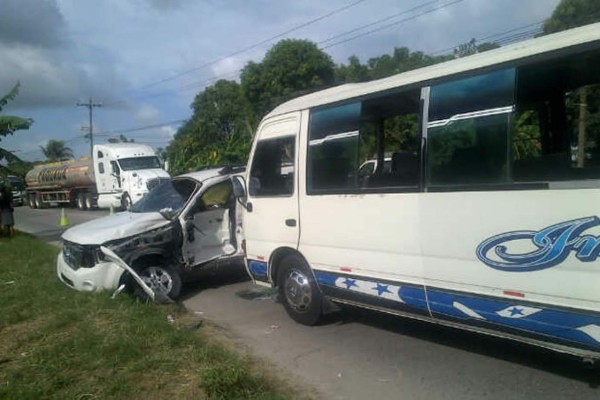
[[181, 229]]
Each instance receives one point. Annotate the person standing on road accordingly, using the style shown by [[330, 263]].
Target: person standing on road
[[7, 221]]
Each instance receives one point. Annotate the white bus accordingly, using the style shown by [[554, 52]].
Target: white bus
[[487, 218]]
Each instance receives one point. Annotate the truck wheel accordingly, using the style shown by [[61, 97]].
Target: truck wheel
[[38, 201], [126, 202], [31, 201], [299, 291], [81, 201], [160, 278], [88, 201]]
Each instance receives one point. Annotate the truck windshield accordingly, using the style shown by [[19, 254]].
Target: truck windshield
[[172, 194], [128, 164]]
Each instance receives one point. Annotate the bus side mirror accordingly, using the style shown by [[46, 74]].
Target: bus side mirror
[[239, 187]]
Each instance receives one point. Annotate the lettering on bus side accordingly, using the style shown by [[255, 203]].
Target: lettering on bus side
[[552, 245]]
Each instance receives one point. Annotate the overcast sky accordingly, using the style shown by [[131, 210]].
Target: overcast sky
[[124, 54]]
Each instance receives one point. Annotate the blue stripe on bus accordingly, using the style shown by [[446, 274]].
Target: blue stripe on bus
[[575, 326], [408, 294]]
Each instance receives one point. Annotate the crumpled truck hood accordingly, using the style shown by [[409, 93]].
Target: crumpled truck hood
[[112, 227]]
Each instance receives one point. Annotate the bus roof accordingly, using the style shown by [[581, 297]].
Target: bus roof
[[524, 50]]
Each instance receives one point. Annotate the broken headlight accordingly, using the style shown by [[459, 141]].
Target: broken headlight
[[81, 256]]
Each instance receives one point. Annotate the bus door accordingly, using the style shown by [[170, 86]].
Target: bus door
[[360, 226], [271, 220]]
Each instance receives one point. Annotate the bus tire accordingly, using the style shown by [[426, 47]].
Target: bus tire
[[298, 291]]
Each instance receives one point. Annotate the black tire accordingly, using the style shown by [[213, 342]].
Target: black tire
[[38, 201], [126, 202], [31, 201], [88, 201], [159, 277], [298, 291], [81, 201]]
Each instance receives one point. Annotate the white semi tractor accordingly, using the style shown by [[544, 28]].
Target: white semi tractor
[[118, 175]]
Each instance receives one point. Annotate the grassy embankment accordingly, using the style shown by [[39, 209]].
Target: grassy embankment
[[61, 344]]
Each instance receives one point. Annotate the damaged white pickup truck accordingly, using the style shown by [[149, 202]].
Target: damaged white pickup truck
[[181, 229]]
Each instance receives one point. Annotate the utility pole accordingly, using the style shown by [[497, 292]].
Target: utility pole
[[90, 105]]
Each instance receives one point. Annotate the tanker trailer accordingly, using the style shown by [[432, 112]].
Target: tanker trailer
[[67, 182], [118, 176]]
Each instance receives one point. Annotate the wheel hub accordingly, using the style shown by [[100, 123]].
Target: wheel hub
[[297, 291], [158, 279]]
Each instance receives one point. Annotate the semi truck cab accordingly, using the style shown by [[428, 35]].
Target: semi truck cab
[[125, 172]]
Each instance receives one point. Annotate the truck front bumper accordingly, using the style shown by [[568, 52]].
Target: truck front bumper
[[102, 276]]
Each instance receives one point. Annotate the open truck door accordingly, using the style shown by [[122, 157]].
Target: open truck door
[[208, 227]]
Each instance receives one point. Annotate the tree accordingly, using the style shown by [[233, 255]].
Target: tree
[[56, 150], [290, 68], [471, 47], [219, 132], [353, 72], [401, 60], [571, 14], [8, 125], [161, 153]]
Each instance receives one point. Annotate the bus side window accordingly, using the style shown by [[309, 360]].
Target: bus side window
[[332, 149], [390, 138], [469, 123], [556, 132], [366, 145]]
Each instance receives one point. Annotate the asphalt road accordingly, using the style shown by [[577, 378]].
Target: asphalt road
[[45, 223], [357, 354]]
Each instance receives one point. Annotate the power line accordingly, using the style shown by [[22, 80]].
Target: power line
[[377, 22], [493, 36], [236, 72], [182, 88], [141, 128], [253, 46], [392, 24], [514, 30], [501, 39]]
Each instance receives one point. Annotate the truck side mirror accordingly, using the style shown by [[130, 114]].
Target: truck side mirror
[[239, 191]]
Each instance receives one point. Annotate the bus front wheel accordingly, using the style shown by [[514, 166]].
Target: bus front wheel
[[299, 291]]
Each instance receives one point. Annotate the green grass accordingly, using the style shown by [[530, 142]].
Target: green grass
[[56, 343]]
